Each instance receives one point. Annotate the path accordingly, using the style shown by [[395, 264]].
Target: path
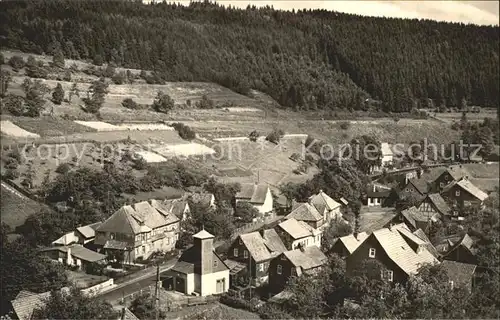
[[14, 191]]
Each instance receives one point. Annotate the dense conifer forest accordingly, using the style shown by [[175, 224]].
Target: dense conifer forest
[[307, 60]]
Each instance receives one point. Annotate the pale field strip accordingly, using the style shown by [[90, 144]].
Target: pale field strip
[[104, 126], [12, 130], [150, 157], [183, 150], [292, 135]]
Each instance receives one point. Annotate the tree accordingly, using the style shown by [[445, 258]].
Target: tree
[[27, 271], [34, 98], [67, 76], [74, 305], [16, 62], [163, 103], [5, 79], [98, 60], [118, 78], [275, 136], [185, 132], [74, 91], [144, 307], [335, 230], [109, 71], [224, 193], [99, 90], [205, 103], [253, 136], [130, 104], [58, 94], [245, 212], [58, 58], [35, 69], [366, 152], [48, 225]]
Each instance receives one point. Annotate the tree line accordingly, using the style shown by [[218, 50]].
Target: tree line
[[306, 60]]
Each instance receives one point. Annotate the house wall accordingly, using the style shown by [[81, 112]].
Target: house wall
[[191, 281], [372, 202], [277, 282], [340, 249], [387, 160], [259, 274], [427, 206], [409, 190], [361, 253], [462, 199], [461, 254], [209, 282]]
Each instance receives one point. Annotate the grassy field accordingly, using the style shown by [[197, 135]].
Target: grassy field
[[457, 116], [49, 126], [479, 170], [15, 209]]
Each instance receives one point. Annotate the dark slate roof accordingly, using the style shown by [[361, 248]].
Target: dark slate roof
[[176, 206], [191, 257], [420, 184], [121, 222], [305, 212], [322, 201], [421, 234], [458, 272], [307, 258], [458, 172], [440, 204], [24, 306], [273, 241], [253, 193]]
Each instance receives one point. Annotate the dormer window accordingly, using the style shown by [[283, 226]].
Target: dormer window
[[371, 252]]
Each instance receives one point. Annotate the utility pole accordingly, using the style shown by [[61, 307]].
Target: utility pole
[[157, 299]]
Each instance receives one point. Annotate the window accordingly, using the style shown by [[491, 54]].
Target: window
[[215, 263], [441, 184], [241, 242], [279, 269], [457, 193], [390, 275], [111, 236], [451, 284], [143, 249], [235, 252], [260, 267], [371, 253], [446, 178], [245, 254], [467, 203], [168, 240]]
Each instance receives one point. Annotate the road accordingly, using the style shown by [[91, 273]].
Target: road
[[143, 281]]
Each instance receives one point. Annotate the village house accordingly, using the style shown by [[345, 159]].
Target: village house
[[459, 274], [462, 251], [415, 189], [328, 208], [295, 233], [136, 231], [376, 195], [434, 203], [346, 245], [199, 270], [416, 219], [294, 263], [179, 207], [258, 195], [387, 157], [307, 213], [463, 194], [401, 252], [74, 255], [25, 303], [84, 235], [254, 250], [451, 174]]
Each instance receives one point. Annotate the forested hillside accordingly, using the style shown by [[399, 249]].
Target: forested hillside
[[305, 60]]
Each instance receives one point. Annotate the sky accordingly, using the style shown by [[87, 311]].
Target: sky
[[477, 12]]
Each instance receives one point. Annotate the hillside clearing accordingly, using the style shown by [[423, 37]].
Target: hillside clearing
[[15, 209], [10, 129]]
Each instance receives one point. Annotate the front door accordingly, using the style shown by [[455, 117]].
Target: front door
[[221, 285]]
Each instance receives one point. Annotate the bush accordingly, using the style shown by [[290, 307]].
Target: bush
[[345, 125], [184, 131], [67, 76], [253, 136], [2, 58], [98, 61], [63, 168], [396, 119], [58, 94], [275, 136], [239, 303], [11, 174], [130, 104], [205, 103], [163, 103], [118, 78], [16, 62]]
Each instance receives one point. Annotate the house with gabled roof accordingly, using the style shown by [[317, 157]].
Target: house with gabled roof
[[462, 194], [434, 203], [137, 230], [377, 195], [74, 255], [258, 195], [25, 303], [83, 235], [295, 234], [294, 263], [254, 250], [451, 174], [463, 251], [416, 219], [328, 208], [179, 207], [199, 270], [346, 245], [307, 213], [397, 249], [415, 188]]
